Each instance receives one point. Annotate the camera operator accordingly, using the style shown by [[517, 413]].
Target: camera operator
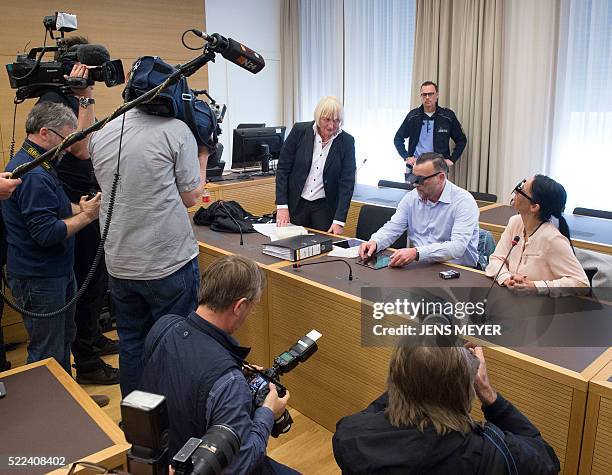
[[196, 364], [151, 251], [423, 423], [40, 227], [76, 174]]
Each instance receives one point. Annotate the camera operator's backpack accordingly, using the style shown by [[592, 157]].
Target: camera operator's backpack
[[177, 100]]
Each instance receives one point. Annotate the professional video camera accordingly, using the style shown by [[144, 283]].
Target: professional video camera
[[32, 76], [259, 381], [145, 423]]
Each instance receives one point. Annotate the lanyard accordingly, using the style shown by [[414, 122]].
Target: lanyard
[[32, 152]]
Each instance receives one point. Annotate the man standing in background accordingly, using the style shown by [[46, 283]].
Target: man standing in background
[[428, 128]]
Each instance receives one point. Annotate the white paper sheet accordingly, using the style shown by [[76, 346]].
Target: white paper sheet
[[279, 232]]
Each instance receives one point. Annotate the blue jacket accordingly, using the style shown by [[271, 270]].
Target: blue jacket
[[446, 126], [197, 367], [35, 232]]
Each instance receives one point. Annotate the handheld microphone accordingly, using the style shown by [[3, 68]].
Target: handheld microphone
[[515, 241], [234, 220], [297, 265], [233, 51]]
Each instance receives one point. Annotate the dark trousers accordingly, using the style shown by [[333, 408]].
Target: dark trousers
[[50, 336], [87, 312], [313, 214], [139, 304]]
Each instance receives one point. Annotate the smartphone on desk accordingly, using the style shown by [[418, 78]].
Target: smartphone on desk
[[377, 261]]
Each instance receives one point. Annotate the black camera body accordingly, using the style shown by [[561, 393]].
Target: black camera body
[[259, 381], [32, 76]]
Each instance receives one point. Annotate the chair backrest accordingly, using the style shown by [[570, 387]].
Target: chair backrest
[[395, 184], [372, 218], [484, 196], [595, 213]]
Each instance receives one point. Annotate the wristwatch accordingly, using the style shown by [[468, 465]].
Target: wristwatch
[[417, 255], [84, 102]]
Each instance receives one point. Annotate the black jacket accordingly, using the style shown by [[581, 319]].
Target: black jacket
[[294, 166], [446, 126], [366, 443]]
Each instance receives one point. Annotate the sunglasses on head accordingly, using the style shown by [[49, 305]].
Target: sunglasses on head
[[519, 189], [419, 180]]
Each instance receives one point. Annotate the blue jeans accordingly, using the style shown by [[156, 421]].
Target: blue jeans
[[50, 337], [139, 304]]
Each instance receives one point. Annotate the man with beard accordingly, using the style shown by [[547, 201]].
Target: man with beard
[[440, 217]]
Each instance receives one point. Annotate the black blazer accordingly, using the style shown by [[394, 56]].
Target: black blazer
[[294, 165]]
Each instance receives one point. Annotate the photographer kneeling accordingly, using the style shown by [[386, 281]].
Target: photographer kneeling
[[197, 365], [422, 424]]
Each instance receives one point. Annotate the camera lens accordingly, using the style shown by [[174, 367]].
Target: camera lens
[[218, 447]]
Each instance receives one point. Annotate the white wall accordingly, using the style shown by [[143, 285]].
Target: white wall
[[249, 98]]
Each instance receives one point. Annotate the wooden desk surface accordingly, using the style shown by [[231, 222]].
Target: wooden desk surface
[[46, 413], [234, 180]]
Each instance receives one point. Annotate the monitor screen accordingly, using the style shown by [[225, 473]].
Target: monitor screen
[[247, 145]]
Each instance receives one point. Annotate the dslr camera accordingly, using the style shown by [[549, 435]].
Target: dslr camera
[[259, 381], [32, 76]]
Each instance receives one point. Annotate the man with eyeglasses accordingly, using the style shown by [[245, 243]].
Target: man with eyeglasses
[[428, 128], [440, 217], [40, 226]]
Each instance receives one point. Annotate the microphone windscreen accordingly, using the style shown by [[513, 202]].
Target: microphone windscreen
[[92, 55], [515, 240]]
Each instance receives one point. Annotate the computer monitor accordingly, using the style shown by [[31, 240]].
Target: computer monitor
[[248, 144]]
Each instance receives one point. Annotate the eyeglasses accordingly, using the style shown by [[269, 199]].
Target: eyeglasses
[[419, 180], [427, 94], [519, 189], [57, 133]]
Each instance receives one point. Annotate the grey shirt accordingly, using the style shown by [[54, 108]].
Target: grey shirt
[[150, 236]]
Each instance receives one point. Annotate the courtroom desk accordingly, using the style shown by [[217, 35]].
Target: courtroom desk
[[587, 232], [45, 413], [255, 332], [378, 196], [548, 384], [256, 195], [596, 456]]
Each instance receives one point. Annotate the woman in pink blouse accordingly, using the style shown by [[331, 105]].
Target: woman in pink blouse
[[544, 259]]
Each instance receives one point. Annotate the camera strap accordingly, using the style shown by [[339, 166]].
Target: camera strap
[[32, 152]]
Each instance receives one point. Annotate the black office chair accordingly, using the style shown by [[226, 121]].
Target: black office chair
[[250, 126], [594, 213], [371, 219], [484, 196], [395, 184]]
